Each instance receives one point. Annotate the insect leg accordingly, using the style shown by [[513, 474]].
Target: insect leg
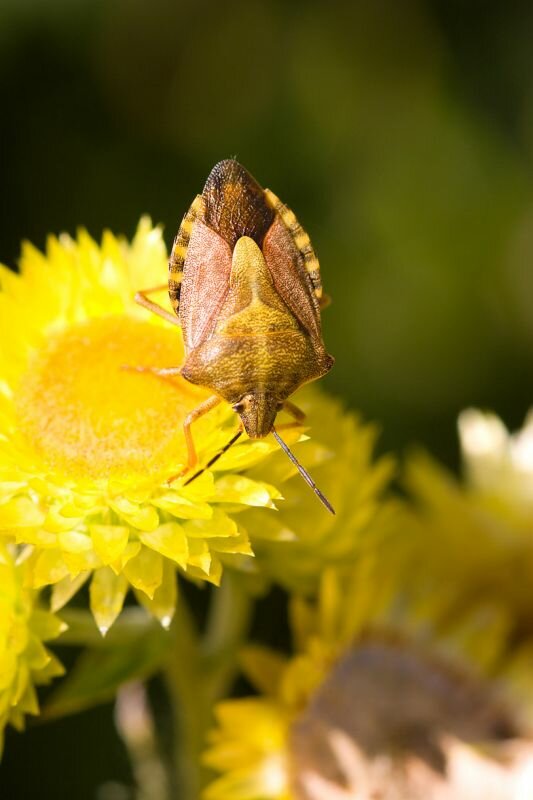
[[216, 456], [155, 308], [196, 413], [294, 411]]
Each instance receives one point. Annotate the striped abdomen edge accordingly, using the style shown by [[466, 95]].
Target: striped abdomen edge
[[300, 239], [179, 251]]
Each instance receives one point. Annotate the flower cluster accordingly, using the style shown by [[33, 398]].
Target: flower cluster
[[88, 445], [408, 661], [24, 660], [481, 529], [411, 619], [384, 696]]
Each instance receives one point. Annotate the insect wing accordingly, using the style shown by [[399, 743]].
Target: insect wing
[[290, 277], [302, 242], [205, 283], [233, 205]]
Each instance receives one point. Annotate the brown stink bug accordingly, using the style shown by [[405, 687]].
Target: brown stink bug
[[245, 285]]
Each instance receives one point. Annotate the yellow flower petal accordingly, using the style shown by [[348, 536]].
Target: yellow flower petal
[[81, 560], [107, 594], [109, 541], [24, 660], [145, 571], [163, 604], [219, 525], [65, 589], [36, 536], [8, 669], [240, 489], [130, 551], [27, 702], [145, 518], [45, 625], [75, 542], [182, 507], [239, 544], [49, 568], [169, 540], [248, 747], [20, 512], [36, 654], [199, 556]]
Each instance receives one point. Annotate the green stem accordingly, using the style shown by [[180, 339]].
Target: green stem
[[200, 673], [227, 628], [181, 677]]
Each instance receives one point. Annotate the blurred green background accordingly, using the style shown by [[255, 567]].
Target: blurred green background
[[401, 133]]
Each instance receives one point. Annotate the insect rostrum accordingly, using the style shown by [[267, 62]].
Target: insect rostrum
[[245, 284]]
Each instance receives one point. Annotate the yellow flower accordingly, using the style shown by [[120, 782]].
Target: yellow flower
[[474, 538], [386, 696], [86, 447], [24, 661], [250, 747], [295, 545]]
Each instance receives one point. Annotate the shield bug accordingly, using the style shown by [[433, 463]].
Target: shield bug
[[244, 283]]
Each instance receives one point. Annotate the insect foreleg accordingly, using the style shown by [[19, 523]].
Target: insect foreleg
[[142, 299], [196, 413]]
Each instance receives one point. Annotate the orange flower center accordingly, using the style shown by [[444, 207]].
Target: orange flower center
[[85, 414]]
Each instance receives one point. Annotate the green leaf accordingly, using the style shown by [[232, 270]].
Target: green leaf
[[99, 672]]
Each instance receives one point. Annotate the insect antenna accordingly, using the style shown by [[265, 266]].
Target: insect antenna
[[303, 472], [215, 458]]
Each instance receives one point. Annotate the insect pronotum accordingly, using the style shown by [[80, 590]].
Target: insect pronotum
[[244, 283]]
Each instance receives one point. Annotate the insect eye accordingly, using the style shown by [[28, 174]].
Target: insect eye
[[238, 407]]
